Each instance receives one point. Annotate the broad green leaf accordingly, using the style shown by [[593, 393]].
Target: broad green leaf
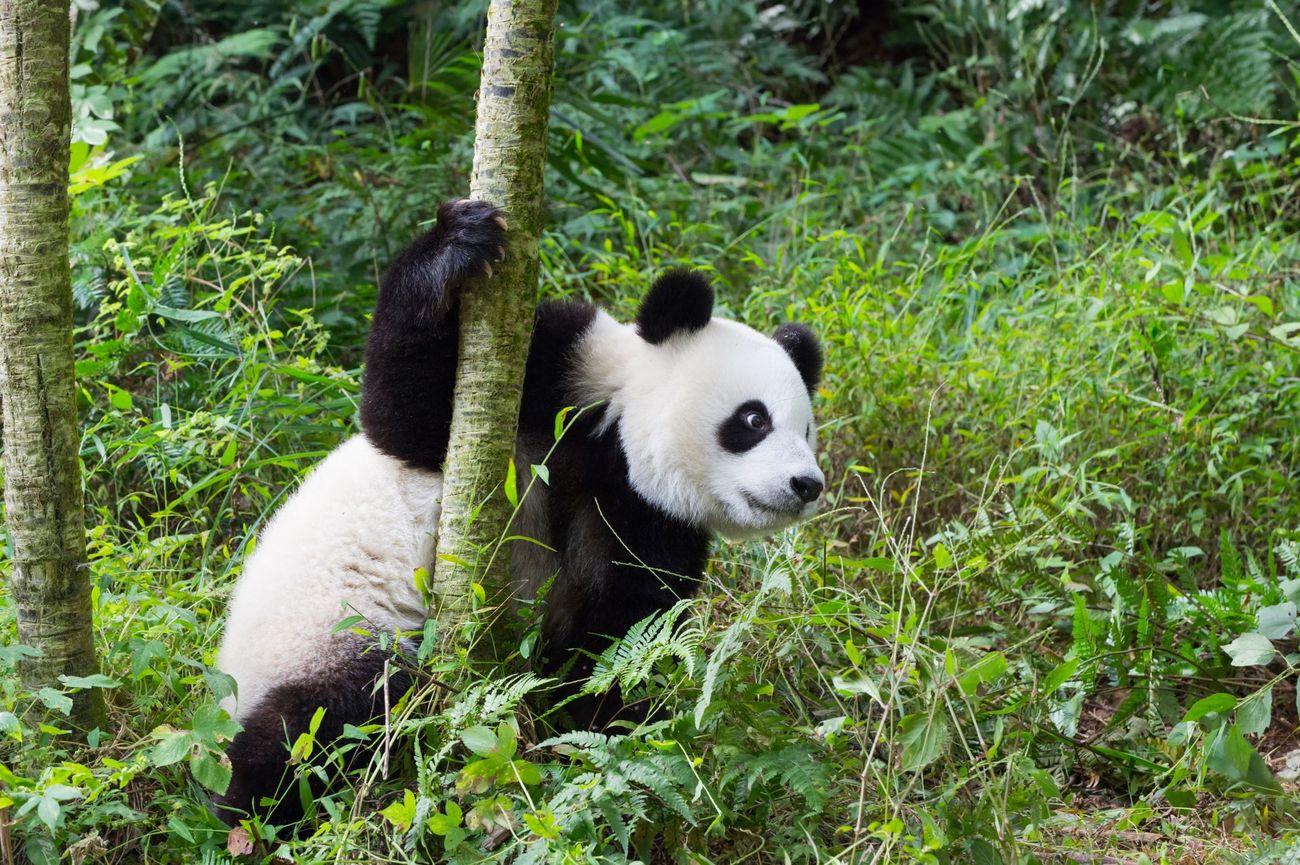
[[505, 746], [559, 420], [453, 839], [55, 700], [542, 824], [923, 737], [480, 740], [986, 670], [1215, 704], [1250, 650], [1256, 713], [1231, 756], [1288, 332], [10, 727], [120, 399], [1058, 677], [212, 724], [661, 122], [172, 749], [479, 776], [48, 811], [1278, 620], [400, 814], [984, 853], [210, 772], [61, 792], [348, 623], [1228, 753], [302, 748], [858, 683], [444, 823], [527, 773]]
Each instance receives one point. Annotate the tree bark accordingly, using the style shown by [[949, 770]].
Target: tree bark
[[496, 314], [42, 470]]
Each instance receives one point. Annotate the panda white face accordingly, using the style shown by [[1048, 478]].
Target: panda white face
[[739, 451], [715, 421]]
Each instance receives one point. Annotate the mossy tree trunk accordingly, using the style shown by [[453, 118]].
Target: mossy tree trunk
[[42, 471], [496, 315]]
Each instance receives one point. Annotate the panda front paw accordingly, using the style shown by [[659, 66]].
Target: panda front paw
[[474, 232]]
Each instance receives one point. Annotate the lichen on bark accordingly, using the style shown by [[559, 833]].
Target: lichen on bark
[[42, 471], [496, 313]]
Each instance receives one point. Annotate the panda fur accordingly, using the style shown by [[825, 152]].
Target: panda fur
[[695, 426]]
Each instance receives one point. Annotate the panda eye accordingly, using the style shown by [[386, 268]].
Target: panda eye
[[745, 427]]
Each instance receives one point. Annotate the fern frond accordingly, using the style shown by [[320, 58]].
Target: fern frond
[[631, 660]]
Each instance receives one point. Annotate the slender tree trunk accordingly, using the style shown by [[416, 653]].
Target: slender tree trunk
[[42, 471], [496, 314]]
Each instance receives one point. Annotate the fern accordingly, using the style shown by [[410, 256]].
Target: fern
[[1230, 567], [582, 740], [663, 787], [631, 660], [365, 15], [489, 701], [797, 768], [1288, 551], [631, 783], [1086, 645]]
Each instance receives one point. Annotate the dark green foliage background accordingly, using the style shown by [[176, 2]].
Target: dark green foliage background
[[1048, 611]]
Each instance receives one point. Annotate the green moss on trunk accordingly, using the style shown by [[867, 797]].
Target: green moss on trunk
[[497, 313], [42, 493]]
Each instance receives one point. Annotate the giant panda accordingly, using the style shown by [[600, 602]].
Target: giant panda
[[696, 426]]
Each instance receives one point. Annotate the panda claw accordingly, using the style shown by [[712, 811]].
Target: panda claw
[[487, 269], [501, 221], [501, 253]]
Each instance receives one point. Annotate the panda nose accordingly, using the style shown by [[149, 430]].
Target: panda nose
[[806, 487]]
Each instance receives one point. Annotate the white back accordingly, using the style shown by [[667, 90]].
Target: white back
[[347, 542]]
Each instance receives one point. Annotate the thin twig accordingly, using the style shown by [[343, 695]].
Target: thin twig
[[6, 842], [388, 730]]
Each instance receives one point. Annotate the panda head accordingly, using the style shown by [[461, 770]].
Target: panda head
[[715, 419]]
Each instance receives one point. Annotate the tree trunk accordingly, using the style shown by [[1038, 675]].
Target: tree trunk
[[41, 465], [496, 314]]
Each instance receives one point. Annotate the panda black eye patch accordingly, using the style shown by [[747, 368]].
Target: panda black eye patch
[[748, 425]]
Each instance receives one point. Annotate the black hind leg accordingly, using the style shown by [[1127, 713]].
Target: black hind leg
[[411, 353], [352, 693]]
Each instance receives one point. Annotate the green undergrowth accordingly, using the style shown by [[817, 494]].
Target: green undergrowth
[[1047, 613]]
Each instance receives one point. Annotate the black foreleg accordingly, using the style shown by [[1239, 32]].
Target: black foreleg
[[411, 355]]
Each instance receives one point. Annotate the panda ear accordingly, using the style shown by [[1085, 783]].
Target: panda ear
[[680, 300], [801, 344]]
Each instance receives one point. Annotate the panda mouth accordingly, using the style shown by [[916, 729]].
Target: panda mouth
[[757, 504]]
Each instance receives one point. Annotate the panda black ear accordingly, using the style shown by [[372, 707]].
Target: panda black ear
[[680, 300], [801, 344]]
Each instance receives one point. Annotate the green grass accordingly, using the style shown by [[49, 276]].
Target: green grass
[[1047, 612]]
